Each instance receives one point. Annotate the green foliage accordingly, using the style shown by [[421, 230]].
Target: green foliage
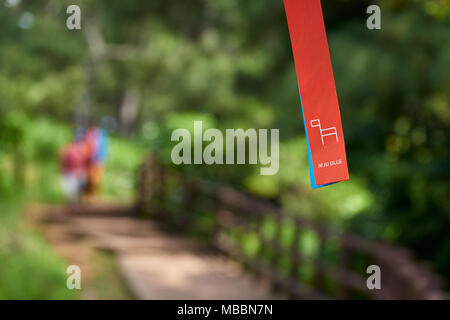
[[30, 269], [229, 63], [124, 159]]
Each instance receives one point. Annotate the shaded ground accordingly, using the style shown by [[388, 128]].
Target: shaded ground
[[101, 277], [153, 264]]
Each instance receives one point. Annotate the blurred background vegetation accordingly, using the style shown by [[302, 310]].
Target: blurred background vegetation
[[148, 67]]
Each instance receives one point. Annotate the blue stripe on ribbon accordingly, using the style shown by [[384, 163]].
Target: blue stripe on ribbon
[[311, 166]]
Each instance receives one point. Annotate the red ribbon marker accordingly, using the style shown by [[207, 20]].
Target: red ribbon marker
[[320, 106]]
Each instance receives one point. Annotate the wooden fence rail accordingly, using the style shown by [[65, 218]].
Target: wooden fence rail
[[302, 258]]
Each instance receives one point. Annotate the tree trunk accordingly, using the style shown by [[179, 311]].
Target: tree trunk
[[129, 111]]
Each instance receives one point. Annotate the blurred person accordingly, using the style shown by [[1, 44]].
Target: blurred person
[[73, 165], [97, 142]]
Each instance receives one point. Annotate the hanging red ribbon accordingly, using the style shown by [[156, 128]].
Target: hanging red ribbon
[[326, 147]]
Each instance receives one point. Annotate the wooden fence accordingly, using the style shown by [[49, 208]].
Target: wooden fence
[[302, 258]]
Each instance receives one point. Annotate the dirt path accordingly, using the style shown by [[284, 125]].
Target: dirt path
[[101, 277], [154, 265]]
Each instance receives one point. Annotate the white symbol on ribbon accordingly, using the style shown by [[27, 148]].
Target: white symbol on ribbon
[[324, 132]]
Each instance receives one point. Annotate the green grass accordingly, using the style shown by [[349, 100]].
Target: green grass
[[107, 282], [29, 269], [120, 170]]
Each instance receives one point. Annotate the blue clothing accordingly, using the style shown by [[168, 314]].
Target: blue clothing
[[102, 146]]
